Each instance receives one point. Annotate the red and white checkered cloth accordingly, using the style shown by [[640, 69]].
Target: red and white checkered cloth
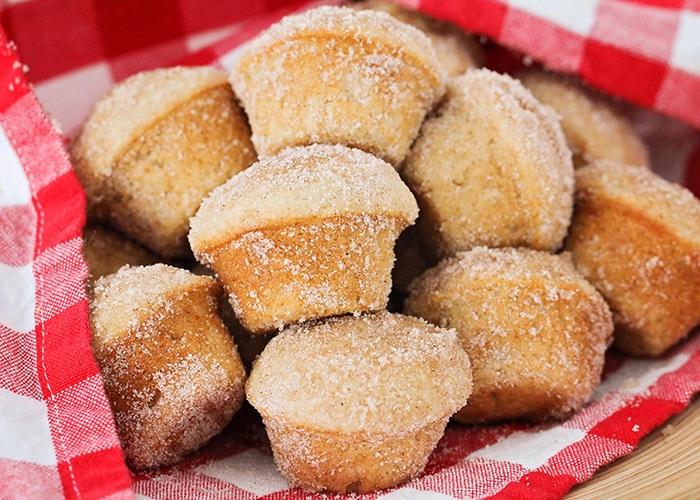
[[57, 438]]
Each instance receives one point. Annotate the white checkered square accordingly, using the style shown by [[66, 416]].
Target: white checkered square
[[24, 434], [686, 48], [577, 17], [249, 470]]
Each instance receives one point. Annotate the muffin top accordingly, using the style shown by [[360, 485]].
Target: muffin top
[[301, 183], [363, 27], [132, 106], [124, 300], [669, 204]]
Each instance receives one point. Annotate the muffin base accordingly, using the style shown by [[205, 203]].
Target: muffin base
[[310, 269]]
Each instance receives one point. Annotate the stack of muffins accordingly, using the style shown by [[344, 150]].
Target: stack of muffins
[[291, 187]]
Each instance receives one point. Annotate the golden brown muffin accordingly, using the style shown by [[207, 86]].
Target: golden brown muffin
[[307, 233], [636, 237], [491, 167], [594, 125], [154, 146], [355, 404], [535, 330], [456, 49], [170, 368], [106, 251], [336, 75]]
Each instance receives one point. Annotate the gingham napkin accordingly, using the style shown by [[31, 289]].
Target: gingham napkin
[[57, 437]]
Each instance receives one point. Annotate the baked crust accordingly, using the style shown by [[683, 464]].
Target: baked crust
[[358, 403], [303, 234], [490, 167], [595, 126]]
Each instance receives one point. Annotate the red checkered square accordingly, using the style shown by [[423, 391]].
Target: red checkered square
[[635, 420], [480, 16], [96, 475], [18, 361], [622, 73], [132, 25], [68, 214], [53, 36], [60, 366], [207, 15]]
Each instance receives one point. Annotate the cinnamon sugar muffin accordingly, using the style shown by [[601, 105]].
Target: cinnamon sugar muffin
[[535, 330], [355, 404], [170, 368], [154, 146], [491, 167], [303, 234], [594, 125], [336, 75], [636, 237]]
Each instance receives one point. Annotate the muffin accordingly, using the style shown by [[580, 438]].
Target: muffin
[[535, 330], [154, 146], [636, 237], [171, 371], [355, 404], [456, 49], [336, 75], [490, 168], [307, 233], [595, 126], [106, 251]]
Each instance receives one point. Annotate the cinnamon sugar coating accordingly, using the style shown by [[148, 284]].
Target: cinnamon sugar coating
[[171, 371], [491, 167], [336, 75], [636, 237], [535, 330], [154, 146], [357, 403]]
